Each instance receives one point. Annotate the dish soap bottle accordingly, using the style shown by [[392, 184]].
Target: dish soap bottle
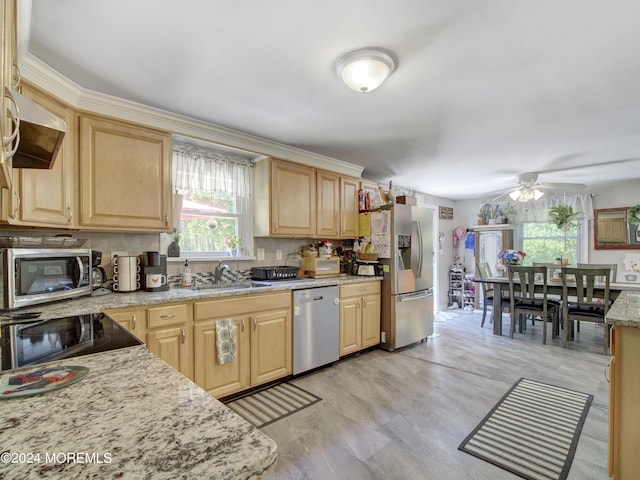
[[186, 275]]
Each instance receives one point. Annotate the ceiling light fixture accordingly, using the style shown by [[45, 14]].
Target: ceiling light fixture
[[365, 70], [524, 194]]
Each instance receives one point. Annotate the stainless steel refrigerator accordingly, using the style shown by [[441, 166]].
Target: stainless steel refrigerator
[[407, 285]]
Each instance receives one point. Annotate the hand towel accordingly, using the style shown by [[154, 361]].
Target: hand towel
[[226, 340]]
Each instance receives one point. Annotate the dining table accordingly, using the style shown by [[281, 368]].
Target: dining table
[[554, 287]]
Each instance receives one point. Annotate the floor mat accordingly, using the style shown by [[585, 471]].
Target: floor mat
[[533, 431], [267, 406]]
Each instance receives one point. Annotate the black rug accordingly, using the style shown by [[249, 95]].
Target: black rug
[[267, 406], [532, 432]]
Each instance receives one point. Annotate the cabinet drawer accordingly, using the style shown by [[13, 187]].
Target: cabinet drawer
[[359, 289], [167, 315], [241, 305]]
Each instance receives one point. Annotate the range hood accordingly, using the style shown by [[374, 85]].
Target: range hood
[[41, 134]]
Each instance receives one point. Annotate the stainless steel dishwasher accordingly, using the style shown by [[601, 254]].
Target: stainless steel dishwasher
[[316, 327]]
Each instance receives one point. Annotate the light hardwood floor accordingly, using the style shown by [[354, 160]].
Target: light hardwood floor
[[402, 415]]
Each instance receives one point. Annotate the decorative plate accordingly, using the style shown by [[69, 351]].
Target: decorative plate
[[40, 380]]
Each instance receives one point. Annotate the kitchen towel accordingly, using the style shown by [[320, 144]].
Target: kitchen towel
[[226, 340]]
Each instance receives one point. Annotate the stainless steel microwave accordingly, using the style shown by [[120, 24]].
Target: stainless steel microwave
[[31, 276]]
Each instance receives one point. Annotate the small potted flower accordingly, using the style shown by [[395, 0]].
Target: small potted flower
[[511, 257], [233, 243]]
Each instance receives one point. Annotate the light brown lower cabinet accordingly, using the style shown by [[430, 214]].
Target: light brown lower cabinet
[[359, 316], [132, 319], [264, 342], [624, 415], [169, 336]]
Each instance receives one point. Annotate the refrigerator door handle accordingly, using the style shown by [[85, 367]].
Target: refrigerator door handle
[[414, 296], [419, 249]]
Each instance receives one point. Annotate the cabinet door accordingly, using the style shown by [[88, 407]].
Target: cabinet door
[[350, 325], [271, 339], [125, 176], [48, 197], [8, 51], [221, 380], [131, 319], [171, 345], [169, 336], [370, 320], [349, 207], [327, 204], [293, 199]]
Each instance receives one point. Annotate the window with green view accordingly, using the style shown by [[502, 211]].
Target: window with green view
[[544, 242]]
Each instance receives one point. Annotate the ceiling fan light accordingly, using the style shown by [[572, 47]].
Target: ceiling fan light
[[365, 70], [515, 195], [537, 194]]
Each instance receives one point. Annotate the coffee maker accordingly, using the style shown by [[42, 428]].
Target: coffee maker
[[98, 275], [153, 272]]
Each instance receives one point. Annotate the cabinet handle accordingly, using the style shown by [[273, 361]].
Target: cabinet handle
[[69, 215], [16, 119], [18, 76], [242, 325], [183, 335], [15, 210], [255, 324], [607, 369], [168, 315], [166, 219], [133, 321]]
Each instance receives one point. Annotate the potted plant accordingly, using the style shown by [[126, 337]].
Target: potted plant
[[563, 217], [633, 214], [233, 243], [484, 214], [509, 212]]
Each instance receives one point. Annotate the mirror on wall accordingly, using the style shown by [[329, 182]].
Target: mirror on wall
[[612, 230]]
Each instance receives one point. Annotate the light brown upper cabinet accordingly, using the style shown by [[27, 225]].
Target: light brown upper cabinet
[[8, 126], [285, 199], [48, 197], [125, 176], [295, 200], [613, 231]]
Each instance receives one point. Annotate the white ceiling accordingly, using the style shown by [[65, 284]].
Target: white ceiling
[[484, 89]]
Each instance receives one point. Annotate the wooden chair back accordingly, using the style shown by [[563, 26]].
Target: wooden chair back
[[612, 266]]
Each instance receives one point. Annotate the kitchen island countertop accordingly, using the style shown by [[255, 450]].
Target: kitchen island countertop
[[625, 311], [133, 416]]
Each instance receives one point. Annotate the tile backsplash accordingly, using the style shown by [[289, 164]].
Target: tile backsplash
[[135, 244]]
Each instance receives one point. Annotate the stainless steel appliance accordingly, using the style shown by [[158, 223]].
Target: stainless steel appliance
[[316, 327], [407, 285], [42, 275], [31, 342]]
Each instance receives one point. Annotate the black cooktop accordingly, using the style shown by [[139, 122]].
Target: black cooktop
[[38, 341]]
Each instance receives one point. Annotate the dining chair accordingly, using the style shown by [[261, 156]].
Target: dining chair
[[612, 266], [526, 301], [589, 302], [488, 293]]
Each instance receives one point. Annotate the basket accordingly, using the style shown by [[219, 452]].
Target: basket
[[368, 257]]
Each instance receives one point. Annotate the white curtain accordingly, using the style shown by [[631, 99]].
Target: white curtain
[[195, 168], [537, 211]]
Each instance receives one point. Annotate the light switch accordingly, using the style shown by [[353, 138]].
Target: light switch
[[260, 254], [278, 254]]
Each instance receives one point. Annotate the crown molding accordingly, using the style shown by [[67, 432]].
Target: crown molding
[[39, 73]]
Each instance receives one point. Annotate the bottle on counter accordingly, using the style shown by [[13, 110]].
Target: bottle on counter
[[186, 275]]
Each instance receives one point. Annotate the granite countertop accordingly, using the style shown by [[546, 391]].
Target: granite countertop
[[625, 311], [95, 304], [136, 417]]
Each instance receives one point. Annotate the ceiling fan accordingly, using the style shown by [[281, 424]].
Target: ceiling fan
[[529, 188]]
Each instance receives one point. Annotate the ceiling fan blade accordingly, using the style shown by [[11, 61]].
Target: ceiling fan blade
[[562, 186]]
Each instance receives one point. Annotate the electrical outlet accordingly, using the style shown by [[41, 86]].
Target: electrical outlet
[[383, 337], [260, 254], [278, 254]]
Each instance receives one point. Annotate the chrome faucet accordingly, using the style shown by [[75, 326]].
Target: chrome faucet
[[219, 271]]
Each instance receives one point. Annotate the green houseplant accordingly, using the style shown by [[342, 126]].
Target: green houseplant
[[563, 217], [633, 214], [485, 213]]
